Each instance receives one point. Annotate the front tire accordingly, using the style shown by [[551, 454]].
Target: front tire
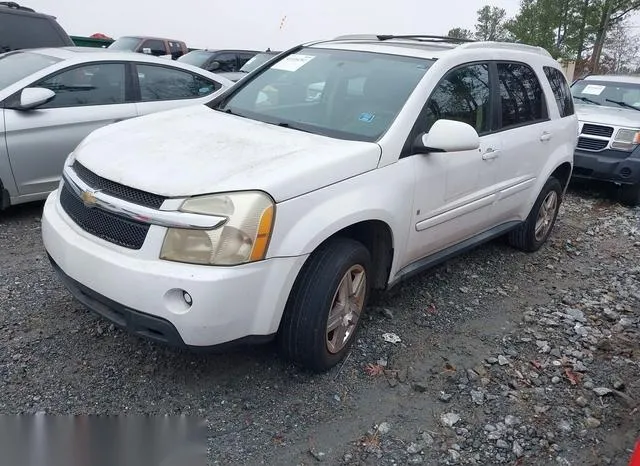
[[630, 195], [535, 231], [323, 313]]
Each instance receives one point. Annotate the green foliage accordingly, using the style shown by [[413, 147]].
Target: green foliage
[[490, 24], [460, 33]]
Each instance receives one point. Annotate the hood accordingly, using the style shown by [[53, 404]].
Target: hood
[[197, 150], [608, 115]]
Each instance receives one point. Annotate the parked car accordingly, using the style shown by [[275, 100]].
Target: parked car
[[156, 46], [23, 28], [249, 219], [223, 62], [608, 108], [253, 64], [50, 99]]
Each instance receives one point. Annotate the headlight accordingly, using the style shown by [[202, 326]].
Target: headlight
[[243, 238], [626, 139]]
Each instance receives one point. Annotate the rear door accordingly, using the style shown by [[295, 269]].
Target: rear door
[[164, 87], [38, 141], [528, 136]]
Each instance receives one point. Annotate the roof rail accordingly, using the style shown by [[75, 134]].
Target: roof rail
[[507, 46], [416, 37]]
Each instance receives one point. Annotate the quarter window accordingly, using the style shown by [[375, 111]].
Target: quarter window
[[162, 83], [561, 91], [522, 100], [463, 95], [98, 84]]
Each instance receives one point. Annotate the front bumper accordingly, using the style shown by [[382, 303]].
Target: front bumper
[[608, 165], [141, 293]]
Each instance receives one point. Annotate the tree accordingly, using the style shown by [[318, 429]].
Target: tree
[[460, 33], [491, 24], [610, 13], [620, 50]]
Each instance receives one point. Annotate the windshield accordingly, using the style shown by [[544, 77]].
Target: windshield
[[195, 58], [256, 61], [15, 66], [125, 43], [337, 93], [607, 93]]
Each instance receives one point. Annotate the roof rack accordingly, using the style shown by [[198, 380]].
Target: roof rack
[[416, 37], [15, 6], [508, 46]]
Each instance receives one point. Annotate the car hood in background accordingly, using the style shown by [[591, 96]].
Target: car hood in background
[[608, 115], [197, 150]]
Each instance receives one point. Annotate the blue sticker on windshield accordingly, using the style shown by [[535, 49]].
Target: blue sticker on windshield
[[366, 117]]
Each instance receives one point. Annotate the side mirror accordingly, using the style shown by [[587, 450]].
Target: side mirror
[[32, 97], [214, 66], [448, 136]]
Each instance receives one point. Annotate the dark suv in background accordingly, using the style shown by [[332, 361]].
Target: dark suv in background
[[156, 46], [24, 28]]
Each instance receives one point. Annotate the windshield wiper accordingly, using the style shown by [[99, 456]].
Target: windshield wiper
[[587, 99], [282, 124], [622, 104]]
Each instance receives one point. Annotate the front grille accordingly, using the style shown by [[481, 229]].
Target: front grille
[[103, 224], [118, 190], [597, 130], [591, 144]]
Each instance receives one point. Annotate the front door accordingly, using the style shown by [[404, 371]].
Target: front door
[[454, 192], [38, 141]]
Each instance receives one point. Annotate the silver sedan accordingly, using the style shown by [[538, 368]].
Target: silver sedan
[[51, 99]]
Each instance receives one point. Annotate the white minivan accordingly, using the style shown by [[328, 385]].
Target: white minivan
[[339, 167]]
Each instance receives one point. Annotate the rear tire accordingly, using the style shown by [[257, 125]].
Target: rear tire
[[630, 195], [323, 290], [535, 231]]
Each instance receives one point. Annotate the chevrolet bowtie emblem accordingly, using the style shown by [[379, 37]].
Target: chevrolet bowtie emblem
[[88, 198]]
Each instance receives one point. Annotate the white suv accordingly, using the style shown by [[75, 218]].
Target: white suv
[[339, 167]]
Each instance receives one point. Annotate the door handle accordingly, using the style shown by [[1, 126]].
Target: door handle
[[545, 137], [490, 154]]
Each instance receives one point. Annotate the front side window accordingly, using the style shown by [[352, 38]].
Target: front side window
[[463, 95], [521, 96], [96, 84], [18, 65], [163, 83], [607, 94], [338, 93], [561, 91]]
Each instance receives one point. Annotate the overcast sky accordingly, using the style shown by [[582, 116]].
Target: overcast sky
[[255, 24]]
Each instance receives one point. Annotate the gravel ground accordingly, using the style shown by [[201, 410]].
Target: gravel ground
[[503, 358]]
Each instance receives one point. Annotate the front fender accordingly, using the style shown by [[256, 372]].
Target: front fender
[[305, 222]]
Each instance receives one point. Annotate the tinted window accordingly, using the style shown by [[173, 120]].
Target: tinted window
[[228, 63], [463, 95], [154, 47], [561, 91], [18, 65], [367, 91], [176, 49], [98, 84], [26, 31], [161, 83], [521, 95]]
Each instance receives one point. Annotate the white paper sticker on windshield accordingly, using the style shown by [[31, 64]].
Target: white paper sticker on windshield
[[293, 62], [593, 89]]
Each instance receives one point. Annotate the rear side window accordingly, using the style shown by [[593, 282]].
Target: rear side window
[[522, 100], [228, 63], [561, 91], [25, 31], [162, 83]]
